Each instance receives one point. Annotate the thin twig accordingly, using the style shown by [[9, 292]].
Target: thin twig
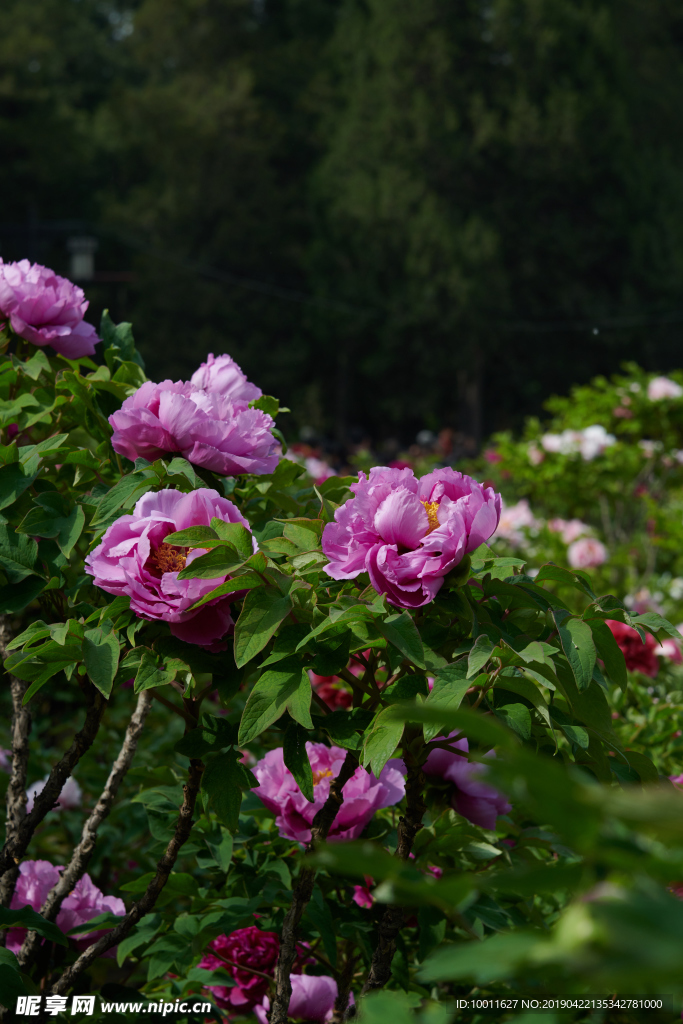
[[344, 985], [322, 823], [16, 790], [80, 858], [16, 844], [393, 917], [146, 903]]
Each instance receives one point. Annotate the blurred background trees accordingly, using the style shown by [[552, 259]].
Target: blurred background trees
[[395, 214]]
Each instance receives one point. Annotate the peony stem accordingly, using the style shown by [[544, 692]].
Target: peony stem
[[17, 842], [345, 982], [16, 790], [322, 823], [146, 903], [408, 827], [80, 858]]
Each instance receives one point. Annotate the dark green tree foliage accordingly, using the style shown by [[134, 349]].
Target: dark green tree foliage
[[488, 164]]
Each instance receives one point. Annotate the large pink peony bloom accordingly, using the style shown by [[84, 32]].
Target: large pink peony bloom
[[312, 999], [363, 793], [46, 309], [223, 375], [132, 559], [208, 428], [479, 803], [246, 947], [85, 901], [409, 533]]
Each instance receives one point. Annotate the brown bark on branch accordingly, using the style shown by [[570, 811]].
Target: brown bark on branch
[[344, 987], [80, 858], [322, 823], [146, 903], [393, 918], [16, 790], [17, 843]]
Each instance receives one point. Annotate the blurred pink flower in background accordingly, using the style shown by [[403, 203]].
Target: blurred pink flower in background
[[85, 901], [362, 895], [663, 387], [5, 760], [363, 793], [639, 656], [207, 428], [535, 454], [586, 553], [331, 690], [671, 650], [222, 374], [132, 559], [475, 800], [46, 309], [312, 999], [514, 519], [569, 529], [318, 469], [408, 533], [70, 797]]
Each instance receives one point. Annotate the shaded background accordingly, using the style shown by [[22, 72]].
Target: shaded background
[[397, 215]]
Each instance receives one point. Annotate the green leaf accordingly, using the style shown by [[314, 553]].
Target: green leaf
[[261, 614], [382, 741], [267, 404], [573, 577], [525, 688], [152, 672], [479, 655], [401, 631], [343, 726], [51, 517], [214, 734], [218, 561], [235, 534], [517, 717], [450, 686], [192, 537], [181, 467], [270, 698], [299, 704], [15, 596], [101, 658], [655, 623], [609, 651], [220, 845], [577, 643], [17, 554], [222, 781], [320, 916], [26, 917], [576, 733], [296, 759], [128, 488]]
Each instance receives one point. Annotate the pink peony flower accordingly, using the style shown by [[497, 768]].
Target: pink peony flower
[[479, 803], [363, 793], [535, 454], [312, 999], [133, 560], [318, 469], [514, 519], [224, 376], [247, 947], [569, 529], [46, 309], [663, 387], [676, 779], [70, 797], [37, 878], [586, 553], [409, 533], [207, 428], [639, 656]]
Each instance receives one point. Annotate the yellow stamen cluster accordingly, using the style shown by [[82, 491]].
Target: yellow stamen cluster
[[324, 773], [432, 510], [168, 558]]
